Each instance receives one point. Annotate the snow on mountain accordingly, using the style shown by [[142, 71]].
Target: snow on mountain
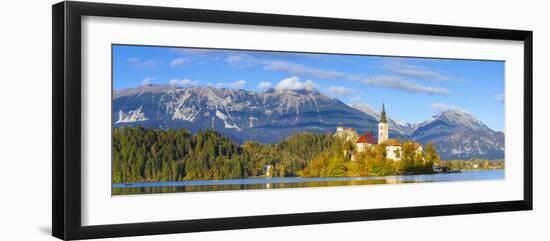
[[274, 114], [243, 115], [131, 116], [459, 135], [401, 128], [455, 133]]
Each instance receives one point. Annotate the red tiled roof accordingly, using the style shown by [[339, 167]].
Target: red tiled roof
[[366, 138]]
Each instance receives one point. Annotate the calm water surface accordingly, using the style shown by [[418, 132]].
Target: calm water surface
[[294, 182]]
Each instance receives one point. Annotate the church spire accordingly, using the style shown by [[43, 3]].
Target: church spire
[[383, 115]]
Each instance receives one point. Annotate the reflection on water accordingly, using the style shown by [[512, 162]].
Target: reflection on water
[[291, 182]]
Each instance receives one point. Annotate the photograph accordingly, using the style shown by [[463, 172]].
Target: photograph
[[191, 119], [275, 120]]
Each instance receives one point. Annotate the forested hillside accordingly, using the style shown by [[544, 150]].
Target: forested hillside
[[145, 155], [173, 155]]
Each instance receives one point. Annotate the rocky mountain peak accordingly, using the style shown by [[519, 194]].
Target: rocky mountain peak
[[275, 114]]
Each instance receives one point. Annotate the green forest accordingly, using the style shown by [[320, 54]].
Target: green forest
[[146, 155]]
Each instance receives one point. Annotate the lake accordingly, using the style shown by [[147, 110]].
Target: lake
[[296, 182]]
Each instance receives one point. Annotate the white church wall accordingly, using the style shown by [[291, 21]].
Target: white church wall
[[393, 152]]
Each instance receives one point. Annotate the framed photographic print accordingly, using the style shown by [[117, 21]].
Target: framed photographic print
[[170, 120]]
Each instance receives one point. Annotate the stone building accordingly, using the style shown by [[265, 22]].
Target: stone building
[[348, 134], [367, 142], [383, 131]]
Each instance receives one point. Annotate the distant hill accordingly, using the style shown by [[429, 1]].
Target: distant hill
[[459, 135], [274, 115]]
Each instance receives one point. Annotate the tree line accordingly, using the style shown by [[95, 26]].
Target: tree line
[[372, 161], [145, 155], [473, 164]]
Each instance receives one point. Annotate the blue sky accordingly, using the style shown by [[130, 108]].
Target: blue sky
[[413, 89]]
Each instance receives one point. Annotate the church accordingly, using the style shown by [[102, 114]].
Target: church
[[367, 141]]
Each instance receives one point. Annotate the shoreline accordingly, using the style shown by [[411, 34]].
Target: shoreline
[[276, 180]]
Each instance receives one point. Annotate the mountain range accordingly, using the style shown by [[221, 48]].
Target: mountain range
[[274, 114]]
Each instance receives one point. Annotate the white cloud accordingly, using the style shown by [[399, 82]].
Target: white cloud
[[264, 85], [137, 62], [499, 98], [182, 82], [299, 69], [444, 107], [364, 107], [357, 97], [241, 60], [392, 82], [417, 71], [197, 56], [396, 82], [294, 83], [238, 84], [147, 80], [339, 90], [216, 85], [179, 62], [232, 59]]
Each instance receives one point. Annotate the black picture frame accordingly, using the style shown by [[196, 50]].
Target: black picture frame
[[66, 128]]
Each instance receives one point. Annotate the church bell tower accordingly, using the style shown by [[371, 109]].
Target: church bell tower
[[383, 126]]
